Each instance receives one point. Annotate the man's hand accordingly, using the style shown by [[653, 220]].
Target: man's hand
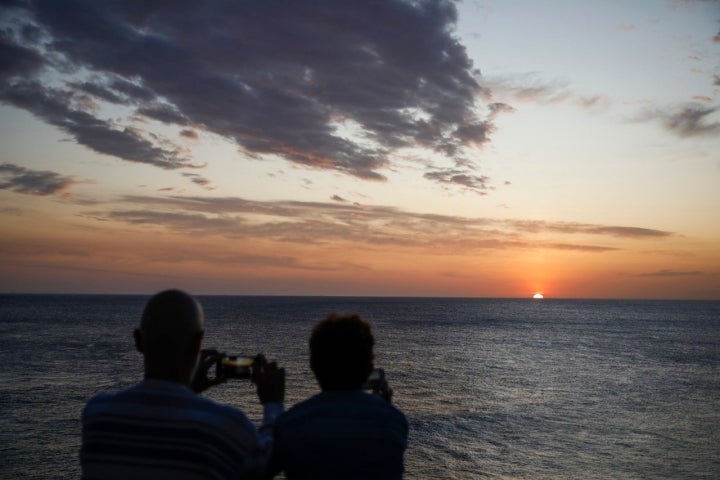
[[270, 381], [384, 390], [201, 381]]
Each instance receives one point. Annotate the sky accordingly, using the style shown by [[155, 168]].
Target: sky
[[375, 147]]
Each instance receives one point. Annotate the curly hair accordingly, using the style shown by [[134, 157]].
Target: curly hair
[[341, 352]]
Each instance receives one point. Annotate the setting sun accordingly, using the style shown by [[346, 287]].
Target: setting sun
[[117, 176]]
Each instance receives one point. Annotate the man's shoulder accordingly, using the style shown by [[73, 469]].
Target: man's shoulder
[[162, 428], [342, 435], [108, 400], [164, 399], [343, 403]]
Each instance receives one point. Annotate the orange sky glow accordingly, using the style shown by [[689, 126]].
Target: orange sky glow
[[457, 159]]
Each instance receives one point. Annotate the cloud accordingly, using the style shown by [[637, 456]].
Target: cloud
[[529, 88], [624, 27], [278, 78], [690, 120], [185, 222], [626, 232], [198, 180], [54, 106], [163, 113], [589, 229], [18, 60], [338, 198], [191, 134], [458, 177], [97, 91], [33, 182], [716, 80], [376, 226], [716, 38], [498, 108], [79, 253], [581, 248], [672, 273], [281, 261], [14, 211], [702, 98]]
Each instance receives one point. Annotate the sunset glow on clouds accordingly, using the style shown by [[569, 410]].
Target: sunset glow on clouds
[[361, 148]]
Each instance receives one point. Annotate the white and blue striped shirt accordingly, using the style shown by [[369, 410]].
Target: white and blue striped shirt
[[161, 429]]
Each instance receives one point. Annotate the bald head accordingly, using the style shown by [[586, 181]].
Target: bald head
[[171, 317], [170, 332]]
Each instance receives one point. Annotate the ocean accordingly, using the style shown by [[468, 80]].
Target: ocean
[[492, 388]]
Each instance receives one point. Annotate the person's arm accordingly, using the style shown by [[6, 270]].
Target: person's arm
[[270, 381], [384, 390], [275, 464], [201, 381]]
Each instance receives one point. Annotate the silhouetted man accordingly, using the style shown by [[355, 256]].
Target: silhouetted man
[[161, 428], [342, 432]]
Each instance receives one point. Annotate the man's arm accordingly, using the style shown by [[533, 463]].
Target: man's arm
[[270, 381], [201, 381]]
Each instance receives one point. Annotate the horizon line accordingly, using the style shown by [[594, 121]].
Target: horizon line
[[440, 297]]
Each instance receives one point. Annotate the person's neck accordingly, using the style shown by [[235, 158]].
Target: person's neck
[[343, 390], [166, 375]]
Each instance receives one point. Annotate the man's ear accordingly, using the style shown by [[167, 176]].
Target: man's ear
[[138, 341], [197, 342]]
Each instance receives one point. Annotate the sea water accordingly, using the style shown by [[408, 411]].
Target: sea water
[[492, 388]]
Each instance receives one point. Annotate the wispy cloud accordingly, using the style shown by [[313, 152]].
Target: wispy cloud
[[80, 254], [34, 182], [582, 228], [693, 119], [673, 273], [530, 88], [341, 221], [690, 120], [625, 27], [10, 211], [702, 98], [198, 180], [453, 176], [581, 248], [191, 134], [276, 77]]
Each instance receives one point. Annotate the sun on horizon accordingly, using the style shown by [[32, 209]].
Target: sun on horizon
[[538, 295]]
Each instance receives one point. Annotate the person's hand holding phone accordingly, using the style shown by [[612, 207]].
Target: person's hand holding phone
[[270, 381], [201, 381]]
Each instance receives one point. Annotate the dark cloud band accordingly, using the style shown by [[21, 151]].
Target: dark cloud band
[[33, 182], [280, 78]]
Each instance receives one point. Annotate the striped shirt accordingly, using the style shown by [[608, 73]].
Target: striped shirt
[[161, 429]]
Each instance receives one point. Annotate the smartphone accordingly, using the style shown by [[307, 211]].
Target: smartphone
[[234, 366], [375, 380]]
